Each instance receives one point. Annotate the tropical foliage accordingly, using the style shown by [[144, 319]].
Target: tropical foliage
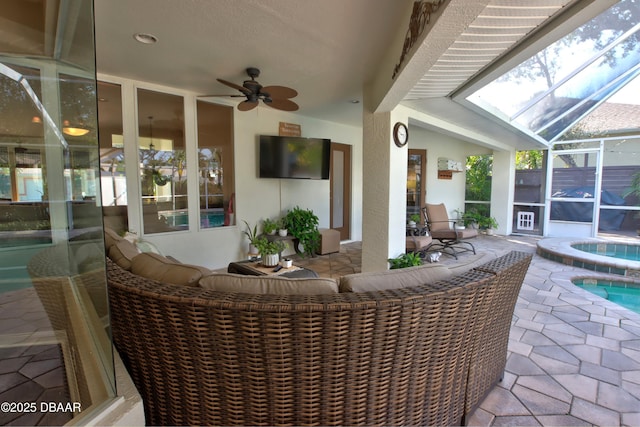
[[409, 259]]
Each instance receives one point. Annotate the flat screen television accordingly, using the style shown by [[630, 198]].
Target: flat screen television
[[294, 157]]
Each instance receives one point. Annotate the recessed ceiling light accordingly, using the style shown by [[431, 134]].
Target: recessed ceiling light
[[145, 38], [355, 101]]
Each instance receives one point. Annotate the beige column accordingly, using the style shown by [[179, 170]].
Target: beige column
[[384, 189]]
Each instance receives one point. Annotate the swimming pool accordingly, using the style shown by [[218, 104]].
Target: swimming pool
[[208, 219], [593, 254], [625, 294], [615, 250]]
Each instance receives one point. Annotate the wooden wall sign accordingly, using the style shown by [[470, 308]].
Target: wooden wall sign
[[289, 129], [445, 174]]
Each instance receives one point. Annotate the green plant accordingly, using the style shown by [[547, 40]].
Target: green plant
[[469, 218], [265, 247], [414, 217], [281, 223], [303, 225], [634, 189], [487, 222], [410, 259], [251, 233], [269, 225]]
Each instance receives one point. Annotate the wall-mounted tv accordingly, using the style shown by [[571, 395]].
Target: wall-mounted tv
[[294, 157]]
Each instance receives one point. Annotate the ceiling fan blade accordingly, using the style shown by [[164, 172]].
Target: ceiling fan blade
[[279, 92], [212, 95], [235, 86], [283, 104], [247, 105]]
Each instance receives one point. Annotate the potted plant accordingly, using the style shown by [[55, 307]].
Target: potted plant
[[414, 219], [281, 225], [303, 225], [252, 235], [471, 219], [488, 224], [410, 259], [270, 251], [269, 226]]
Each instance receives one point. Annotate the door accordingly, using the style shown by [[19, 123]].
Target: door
[[340, 193], [416, 171], [574, 193]]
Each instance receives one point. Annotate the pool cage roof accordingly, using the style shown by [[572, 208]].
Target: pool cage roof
[[592, 72]]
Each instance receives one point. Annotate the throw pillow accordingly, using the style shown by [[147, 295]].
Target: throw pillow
[[122, 253], [162, 269], [147, 246]]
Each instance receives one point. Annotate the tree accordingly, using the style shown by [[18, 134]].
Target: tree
[[478, 178], [531, 159]]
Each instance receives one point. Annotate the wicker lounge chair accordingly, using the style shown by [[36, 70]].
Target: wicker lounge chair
[[452, 240]]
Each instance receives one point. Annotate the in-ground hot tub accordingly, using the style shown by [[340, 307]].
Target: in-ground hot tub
[[593, 254], [624, 293]]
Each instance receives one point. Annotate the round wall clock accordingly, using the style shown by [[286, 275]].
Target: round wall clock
[[400, 134]]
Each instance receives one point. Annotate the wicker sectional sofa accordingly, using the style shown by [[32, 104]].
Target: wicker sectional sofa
[[402, 353]]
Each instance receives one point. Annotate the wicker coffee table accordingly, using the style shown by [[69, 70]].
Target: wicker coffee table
[[252, 268]]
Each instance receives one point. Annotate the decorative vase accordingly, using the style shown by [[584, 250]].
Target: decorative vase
[[287, 263], [282, 232], [270, 260]]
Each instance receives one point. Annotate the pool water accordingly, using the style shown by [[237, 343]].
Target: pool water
[[625, 294], [207, 218], [615, 250]]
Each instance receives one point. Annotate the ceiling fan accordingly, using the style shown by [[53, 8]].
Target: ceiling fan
[[274, 96]]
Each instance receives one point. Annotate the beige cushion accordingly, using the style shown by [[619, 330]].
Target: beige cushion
[[394, 279], [438, 217], [228, 282], [157, 267], [122, 253], [110, 238]]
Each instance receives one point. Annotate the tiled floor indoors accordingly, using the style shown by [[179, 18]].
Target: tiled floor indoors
[[574, 358]]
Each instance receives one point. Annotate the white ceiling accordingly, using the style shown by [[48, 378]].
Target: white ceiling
[[327, 50]]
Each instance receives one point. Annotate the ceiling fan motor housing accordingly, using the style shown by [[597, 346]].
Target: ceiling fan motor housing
[[253, 72]]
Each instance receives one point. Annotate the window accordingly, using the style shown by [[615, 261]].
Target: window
[[112, 167], [478, 185], [215, 163], [163, 162]]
